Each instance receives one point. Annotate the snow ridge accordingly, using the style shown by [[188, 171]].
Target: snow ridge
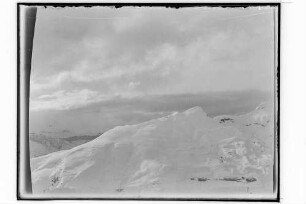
[[161, 155]]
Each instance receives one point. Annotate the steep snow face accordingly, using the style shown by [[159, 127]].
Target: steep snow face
[[184, 154]]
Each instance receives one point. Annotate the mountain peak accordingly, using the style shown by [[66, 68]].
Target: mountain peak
[[196, 109]]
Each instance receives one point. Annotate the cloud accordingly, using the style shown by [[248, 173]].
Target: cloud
[[97, 68], [133, 84], [136, 51], [63, 100], [111, 112]]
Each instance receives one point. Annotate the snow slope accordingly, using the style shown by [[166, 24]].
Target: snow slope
[[182, 155]]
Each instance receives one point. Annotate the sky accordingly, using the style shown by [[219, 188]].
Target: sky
[[89, 57]]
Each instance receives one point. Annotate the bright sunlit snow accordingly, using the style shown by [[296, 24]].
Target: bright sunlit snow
[[185, 153]]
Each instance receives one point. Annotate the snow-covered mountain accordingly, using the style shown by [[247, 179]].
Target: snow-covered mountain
[[184, 154]]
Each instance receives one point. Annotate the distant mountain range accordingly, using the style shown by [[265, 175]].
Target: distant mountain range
[[41, 144]]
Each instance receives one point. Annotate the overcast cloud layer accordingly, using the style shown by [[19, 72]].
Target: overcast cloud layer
[[96, 68], [87, 55]]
